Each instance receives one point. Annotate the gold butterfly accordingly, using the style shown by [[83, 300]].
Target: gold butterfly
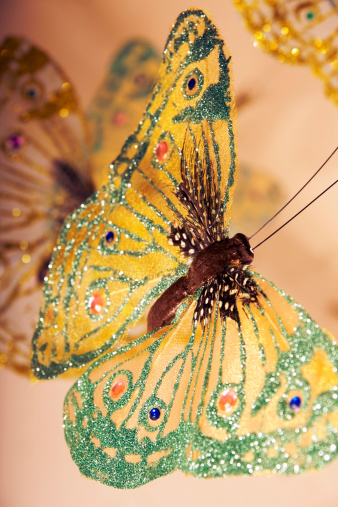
[[239, 379], [45, 167], [298, 33]]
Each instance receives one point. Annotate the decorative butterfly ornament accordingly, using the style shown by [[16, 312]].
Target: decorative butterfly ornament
[[239, 380], [47, 166], [44, 174], [298, 32]]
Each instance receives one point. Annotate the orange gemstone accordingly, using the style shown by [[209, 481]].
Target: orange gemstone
[[118, 388], [228, 400], [96, 302], [161, 151], [120, 118]]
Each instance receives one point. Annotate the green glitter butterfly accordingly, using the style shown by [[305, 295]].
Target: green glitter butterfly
[[239, 379]]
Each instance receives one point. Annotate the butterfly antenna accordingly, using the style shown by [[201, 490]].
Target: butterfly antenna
[[296, 215], [292, 198]]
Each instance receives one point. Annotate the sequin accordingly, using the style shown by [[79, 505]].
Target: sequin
[[119, 118], [140, 79], [154, 414], [161, 151], [118, 388], [228, 400], [14, 142], [96, 303], [192, 83], [110, 236], [295, 403]]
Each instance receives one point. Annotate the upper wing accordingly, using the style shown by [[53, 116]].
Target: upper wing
[[119, 103], [113, 256], [257, 396], [44, 176]]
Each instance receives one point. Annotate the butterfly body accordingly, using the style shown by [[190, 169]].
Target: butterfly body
[[207, 266]]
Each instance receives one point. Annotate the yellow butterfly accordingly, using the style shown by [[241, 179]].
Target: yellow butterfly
[[233, 377], [298, 32], [45, 167]]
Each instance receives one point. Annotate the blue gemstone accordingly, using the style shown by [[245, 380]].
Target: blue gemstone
[[295, 403], [110, 236], [154, 414], [191, 83]]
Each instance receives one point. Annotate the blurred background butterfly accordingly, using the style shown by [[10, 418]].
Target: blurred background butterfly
[[234, 377], [53, 156], [49, 166], [297, 32]]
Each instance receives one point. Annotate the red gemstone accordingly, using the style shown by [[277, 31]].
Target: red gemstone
[[118, 388], [161, 151], [120, 118], [96, 302], [228, 400]]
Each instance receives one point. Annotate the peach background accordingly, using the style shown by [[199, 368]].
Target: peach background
[[289, 129]]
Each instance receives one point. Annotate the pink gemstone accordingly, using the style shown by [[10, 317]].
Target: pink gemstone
[[96, 303], [15, 142], [118, 389], [161, 151], [120, 118], [228, 400]]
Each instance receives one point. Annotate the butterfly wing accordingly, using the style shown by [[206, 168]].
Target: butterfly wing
[[297, 33], [258, 197], [119, 103], [236, 398], [44, 175], [113, 258]]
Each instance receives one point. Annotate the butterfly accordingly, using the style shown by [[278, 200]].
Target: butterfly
[[298, 33], [49, 166], [233, 377]]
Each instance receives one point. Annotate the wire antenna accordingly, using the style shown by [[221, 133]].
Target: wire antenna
[[292, 198], [296, 215]]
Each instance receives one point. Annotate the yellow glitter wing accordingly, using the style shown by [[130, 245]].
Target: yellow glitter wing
[[252, 396], [298, 32], [44, 176], [113, 258], [119, 103]]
